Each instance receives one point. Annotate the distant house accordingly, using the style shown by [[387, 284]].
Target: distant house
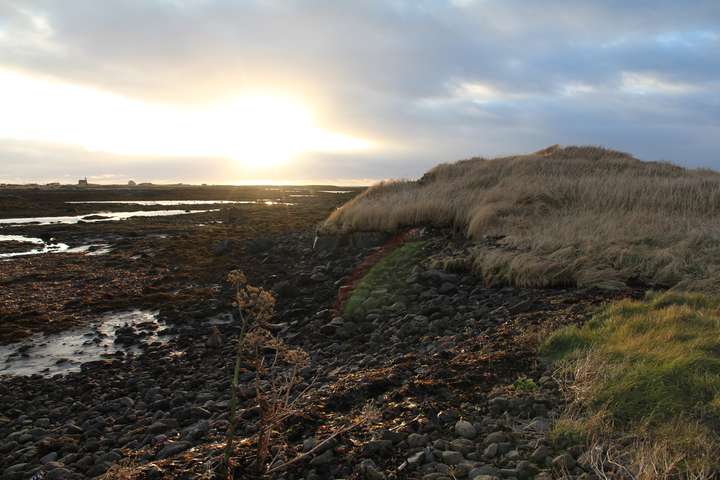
[[83, 181], [131, 183]]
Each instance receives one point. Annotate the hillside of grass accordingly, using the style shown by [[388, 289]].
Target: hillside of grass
[[647, 372], [585, 216]]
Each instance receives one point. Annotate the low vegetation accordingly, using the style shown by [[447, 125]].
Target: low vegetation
[[279, 388], [645, 374], [278, 385], [584, 216], [384, 282]]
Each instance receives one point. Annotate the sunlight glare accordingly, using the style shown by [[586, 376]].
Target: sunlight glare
[[257, 129]]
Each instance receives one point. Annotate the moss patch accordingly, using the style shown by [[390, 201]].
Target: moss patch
[[644, 365], [384, 283]]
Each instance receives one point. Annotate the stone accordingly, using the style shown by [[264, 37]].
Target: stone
[[370, 471], [496, 437], [491, 451], [540, 454], [59, 474], [525, 470], [435, 476], [308, 444], [446, 416], [196, 431], [415, 440], [126, 402], [487, 470], [50, 457], [158, 427], [214, 340], [377, 446], [462, 445], [446, 288], [18, 467], [512, 455], [324, 458], [499, 404], [173, 449], [450, 457], [465, 429]]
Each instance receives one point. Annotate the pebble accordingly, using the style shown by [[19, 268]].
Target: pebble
[[465, 429], [452, 458], [496, 437], [173, 449]]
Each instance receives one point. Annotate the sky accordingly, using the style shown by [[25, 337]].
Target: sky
[[346, 92]]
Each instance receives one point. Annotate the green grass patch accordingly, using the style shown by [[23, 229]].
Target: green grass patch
[[525, 384], [644, 366], [383, 284]]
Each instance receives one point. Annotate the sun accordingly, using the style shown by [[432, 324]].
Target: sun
[[264, 130], [267, 130]]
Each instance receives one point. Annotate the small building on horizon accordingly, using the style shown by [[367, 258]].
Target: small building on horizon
[[83, 181]]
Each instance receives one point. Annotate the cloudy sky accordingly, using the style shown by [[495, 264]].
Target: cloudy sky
[[230, 91]]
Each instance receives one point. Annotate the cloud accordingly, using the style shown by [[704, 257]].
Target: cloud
[[432, 80]]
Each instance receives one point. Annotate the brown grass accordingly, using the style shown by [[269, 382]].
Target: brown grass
[[568, 216]]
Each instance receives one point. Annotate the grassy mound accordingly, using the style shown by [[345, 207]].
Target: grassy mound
[[650, 371], [568, 216]]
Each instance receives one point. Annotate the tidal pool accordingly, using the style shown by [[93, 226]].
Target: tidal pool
[[41, 246], [97, 217], [65, 352]]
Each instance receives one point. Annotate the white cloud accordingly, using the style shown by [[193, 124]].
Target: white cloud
[[640, 83]]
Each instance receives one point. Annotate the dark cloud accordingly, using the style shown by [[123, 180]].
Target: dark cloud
[[436, 79]]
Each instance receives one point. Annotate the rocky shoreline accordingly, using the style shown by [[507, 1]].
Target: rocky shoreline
[[451, 367]]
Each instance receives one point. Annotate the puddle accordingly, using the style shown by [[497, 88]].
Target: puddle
[[220, 319], [96, 217], [92, 249], [42, 246], [52, 247], [65, 352], [335, 191]]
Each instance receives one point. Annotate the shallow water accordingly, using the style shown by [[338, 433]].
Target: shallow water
[[163, 203], [51, 247], [65, 352], [106, 216], [43, 247], [170, 203]]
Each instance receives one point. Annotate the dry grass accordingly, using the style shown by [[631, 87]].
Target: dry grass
[[569, 216]]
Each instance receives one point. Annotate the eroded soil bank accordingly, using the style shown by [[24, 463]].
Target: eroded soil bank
[[449, 363]]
